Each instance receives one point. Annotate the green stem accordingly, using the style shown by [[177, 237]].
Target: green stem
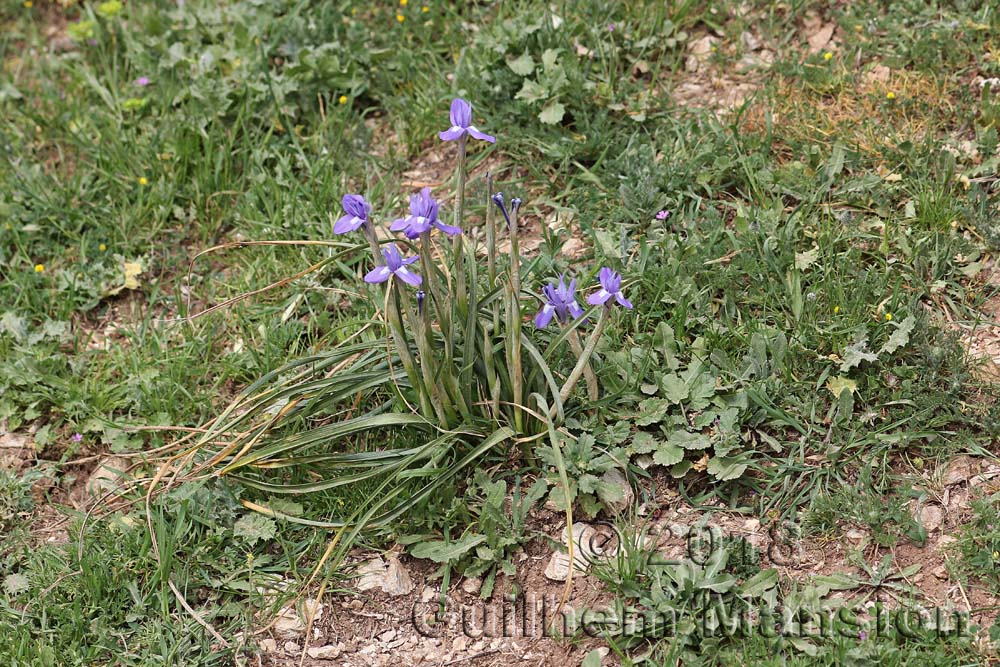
[[514, 325], [491, 248], [457, 241], [438, 399], [403, 348], [588, 372], [582, 362]]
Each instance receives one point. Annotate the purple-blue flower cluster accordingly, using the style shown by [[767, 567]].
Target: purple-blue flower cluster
[[559, 301]]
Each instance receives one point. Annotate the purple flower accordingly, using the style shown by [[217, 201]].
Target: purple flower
[[560, 301], [394, 265], [423, 216], [862, 635], [663, 215], [357, 210], [76, 437], [141, 82], [611, 284], [461, 123]]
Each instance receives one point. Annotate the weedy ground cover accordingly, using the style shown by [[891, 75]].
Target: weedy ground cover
[[741, 252]]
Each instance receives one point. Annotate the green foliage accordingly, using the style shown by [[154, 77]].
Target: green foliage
[[585, 465], [497, 530]]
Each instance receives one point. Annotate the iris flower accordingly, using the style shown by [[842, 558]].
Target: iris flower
[[611, 284], [357, 210], [461, 123], [394, 265], [423, 216], [560, 301]]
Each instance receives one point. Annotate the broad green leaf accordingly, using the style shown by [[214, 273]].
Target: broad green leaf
[[760, 582], [899, 337], [725, 468], [552, 113], [674, 388], [643, 442], [837, 385], [523, 65], [803, 260], [531, 91], [254, 528], [682, 438], [440, 551], [855, 353], [667, 454], [592, 659]]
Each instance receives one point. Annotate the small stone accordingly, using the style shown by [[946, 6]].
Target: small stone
[[328, 652], [616, 478], [107, 477], [472, 585], [389, 577], [854, 534], [397, 579], [587, 547], [931, 516], [371, 574], [427, 594], [288, 623], [387, 636], [945, 541], [268, 645], [958, 470], [574, 248], [750, 41], [460, 644], [291, 647], [941, 572], [819, 39]]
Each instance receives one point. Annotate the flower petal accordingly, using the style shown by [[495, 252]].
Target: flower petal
[[620, 298], [399, 224], [356, 205], [410, 260], [452, 133], [597, 298], [408, 276], [450, 230], [347, 223], [378, 275], [482, 136], [544, 316], [461, 112], [575, 310]]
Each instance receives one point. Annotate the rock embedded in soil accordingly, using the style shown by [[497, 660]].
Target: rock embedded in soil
[[931, 516], [587, 547], [615, 477], [328, 652], [389, 577]]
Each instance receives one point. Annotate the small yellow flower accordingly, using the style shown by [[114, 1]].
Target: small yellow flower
[[27, 4], [888, 317], [102, 247], [827, 56], [39, 268], [996, 555], [890, 95], [425, 9], [354, 11], [836, 309], [143, 180], [403, 3], [342, 99], [400, 18]]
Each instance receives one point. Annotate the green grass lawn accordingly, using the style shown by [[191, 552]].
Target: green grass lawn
[[798, 350]]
